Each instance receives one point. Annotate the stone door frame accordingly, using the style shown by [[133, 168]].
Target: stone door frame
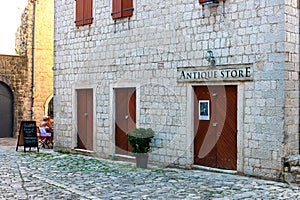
[[240, 116], [112, 112], [76, 86]]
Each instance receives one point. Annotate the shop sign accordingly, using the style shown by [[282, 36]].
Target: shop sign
[[222, 74]]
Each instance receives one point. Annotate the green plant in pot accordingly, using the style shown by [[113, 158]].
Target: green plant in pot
[[140, 140]]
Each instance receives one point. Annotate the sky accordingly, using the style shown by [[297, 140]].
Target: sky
[[10, 19]]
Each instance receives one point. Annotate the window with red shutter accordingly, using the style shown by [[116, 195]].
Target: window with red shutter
[[84, 12], [122, 8]]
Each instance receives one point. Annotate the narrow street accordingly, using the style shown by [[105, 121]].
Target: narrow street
[[54, 175]]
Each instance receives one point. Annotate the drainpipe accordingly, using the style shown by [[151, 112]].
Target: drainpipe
[[32, 60]]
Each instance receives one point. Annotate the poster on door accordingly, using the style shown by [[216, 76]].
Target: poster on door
[[204, 110]]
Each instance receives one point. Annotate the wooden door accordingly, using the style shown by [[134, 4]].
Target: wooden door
[[125, 117], [85, 119], [215, 143], [6, 111]]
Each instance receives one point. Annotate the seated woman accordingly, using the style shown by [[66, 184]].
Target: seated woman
[[46, 132]]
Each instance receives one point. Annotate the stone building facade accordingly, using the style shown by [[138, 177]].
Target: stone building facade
[[37, 45], [15, 78], [28, 76], [43, 58], [163, 64]]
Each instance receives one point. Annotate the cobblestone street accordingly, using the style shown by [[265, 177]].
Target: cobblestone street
[[53, 175]]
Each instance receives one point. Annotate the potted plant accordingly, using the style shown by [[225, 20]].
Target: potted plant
[[140, 140]]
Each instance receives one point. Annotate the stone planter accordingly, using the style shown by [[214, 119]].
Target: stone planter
[[141, 160]]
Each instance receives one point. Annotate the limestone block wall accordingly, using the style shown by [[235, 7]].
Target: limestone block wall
[[292, 77], [146, 50], [34, 39], [16, 71], [15, 74], [43, 56]]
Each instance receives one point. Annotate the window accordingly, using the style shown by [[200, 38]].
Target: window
[[84, 12], [122, 8]]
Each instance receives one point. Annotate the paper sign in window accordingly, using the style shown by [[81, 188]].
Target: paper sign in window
[[204, 110]]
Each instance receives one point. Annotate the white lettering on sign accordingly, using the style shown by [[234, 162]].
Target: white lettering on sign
[[241, 74]]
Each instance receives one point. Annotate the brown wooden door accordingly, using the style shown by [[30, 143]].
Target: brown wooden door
[[125, 116], [215, 143], [85, 119]]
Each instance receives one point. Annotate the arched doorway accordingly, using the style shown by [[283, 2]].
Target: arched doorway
[[49, 106], [6, 111]]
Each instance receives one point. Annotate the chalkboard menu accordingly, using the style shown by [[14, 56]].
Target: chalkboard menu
[[27, 135]]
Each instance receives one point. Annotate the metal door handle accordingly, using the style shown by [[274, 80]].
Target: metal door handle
[[215, 124], [126, 116]]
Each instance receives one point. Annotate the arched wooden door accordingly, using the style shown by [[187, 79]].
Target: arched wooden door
[[215, 142], [6, 111]]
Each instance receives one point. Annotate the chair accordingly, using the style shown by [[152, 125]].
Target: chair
[[45, 138]]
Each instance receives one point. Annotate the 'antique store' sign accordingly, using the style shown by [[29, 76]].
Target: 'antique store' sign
[[222, 74]]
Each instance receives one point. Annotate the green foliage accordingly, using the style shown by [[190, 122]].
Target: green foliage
[[140, 140], [63, 151]]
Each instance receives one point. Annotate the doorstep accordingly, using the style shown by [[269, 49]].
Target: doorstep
[[211, 169]]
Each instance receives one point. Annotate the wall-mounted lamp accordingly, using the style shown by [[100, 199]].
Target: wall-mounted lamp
[[210, 58], [212, 3], [208, 2]]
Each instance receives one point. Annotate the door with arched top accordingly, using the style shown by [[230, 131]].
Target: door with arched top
[[6, 111]]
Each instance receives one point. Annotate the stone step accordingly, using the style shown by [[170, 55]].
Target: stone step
[[125, 158]]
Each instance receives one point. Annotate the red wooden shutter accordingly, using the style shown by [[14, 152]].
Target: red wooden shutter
[[127, 8], [84, 12], [79, 12], [116, 9], [122, 8], [88, 11]]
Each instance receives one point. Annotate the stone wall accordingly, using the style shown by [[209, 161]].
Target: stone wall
[[145, 52], [291, 58], [43, 57], [14, 73], [41, 48]]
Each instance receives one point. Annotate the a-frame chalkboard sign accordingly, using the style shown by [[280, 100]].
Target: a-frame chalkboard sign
[[27, 135]]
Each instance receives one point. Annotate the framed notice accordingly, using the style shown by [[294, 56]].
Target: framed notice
[[204, 110]]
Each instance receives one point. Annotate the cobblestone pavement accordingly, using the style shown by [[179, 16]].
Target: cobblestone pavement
[[54, 175]]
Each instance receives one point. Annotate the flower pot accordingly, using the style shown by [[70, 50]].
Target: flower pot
[[141, 160]]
